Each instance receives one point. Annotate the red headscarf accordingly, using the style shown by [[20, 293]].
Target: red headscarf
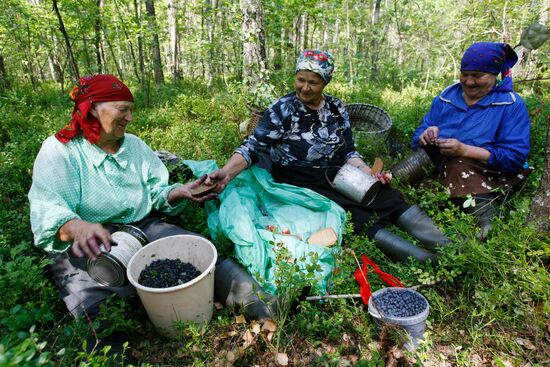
[[97, 88]]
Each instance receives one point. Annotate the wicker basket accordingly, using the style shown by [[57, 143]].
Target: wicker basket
[[252, 123], [369, 120]]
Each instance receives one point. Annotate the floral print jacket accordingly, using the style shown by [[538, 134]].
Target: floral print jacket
[[296, 135]]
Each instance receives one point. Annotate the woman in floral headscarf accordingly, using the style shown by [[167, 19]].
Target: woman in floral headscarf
[[90, 178], [306, 132], [477, 131]]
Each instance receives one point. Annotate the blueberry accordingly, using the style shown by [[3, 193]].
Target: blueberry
[[164, 273], [399, 303]]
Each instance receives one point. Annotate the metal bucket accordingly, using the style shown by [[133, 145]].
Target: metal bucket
[[413, 168], [110, 268], [356, 184]]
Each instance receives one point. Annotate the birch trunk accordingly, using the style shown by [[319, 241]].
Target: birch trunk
[[174, 66], [375, 38], [144, 79], [155, 45], [254, 57]]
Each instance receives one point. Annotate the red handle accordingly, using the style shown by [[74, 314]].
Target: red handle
[[361, 275]]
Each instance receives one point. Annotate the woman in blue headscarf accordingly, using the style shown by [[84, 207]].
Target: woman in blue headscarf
[[477, 130]]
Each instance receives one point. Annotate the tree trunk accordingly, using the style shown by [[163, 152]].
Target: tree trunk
[[127, 37], [254, 56], [30, 58], [4, 84], [144, 79], [174, 39], [74, 66], [375, 38], [97, 37], [305, 31], [540, 207], [57, 73], [155, 45], [348, 43]]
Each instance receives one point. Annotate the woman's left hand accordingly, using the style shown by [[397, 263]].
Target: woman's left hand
[[451, 147], [384, 177]]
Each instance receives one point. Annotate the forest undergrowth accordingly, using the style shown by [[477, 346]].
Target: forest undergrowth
[[488, 301]]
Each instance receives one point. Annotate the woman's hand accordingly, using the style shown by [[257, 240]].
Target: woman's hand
[[86, 238], [384, 177], [220, 178], [429, 136], [452, 147], [186, 192]]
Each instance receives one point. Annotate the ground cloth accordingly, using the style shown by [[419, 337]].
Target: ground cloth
[[252, 202]]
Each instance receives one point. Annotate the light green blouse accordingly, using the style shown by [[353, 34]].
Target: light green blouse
[[79, 180]]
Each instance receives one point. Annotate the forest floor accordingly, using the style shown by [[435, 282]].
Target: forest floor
[[488, 300]]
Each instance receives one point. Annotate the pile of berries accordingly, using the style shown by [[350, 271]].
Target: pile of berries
[[166, 273], [399, 303]]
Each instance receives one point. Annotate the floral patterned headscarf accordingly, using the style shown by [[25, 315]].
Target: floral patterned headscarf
[[90, 89], [319, 62]]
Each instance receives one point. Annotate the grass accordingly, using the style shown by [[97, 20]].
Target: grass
[[489, 301]]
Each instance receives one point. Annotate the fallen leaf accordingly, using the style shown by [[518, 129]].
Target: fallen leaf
[[269, 325], [282, 359], [232, 333], [446, 350], [352, 358], [248, 339], [256, 328], [329, 348], [218, 305], [230, 356], [270, 335], [397, 352], [240, 319], [527, 344], [476, 360]]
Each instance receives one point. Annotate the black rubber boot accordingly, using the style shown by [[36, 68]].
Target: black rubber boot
[[416, 222], [399, 249], [235, 288], [484, 212]]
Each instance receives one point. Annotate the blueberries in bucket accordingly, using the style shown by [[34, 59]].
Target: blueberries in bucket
[[395, 303], [164, 273]]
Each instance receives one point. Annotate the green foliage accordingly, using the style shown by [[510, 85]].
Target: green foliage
[[477, 291]]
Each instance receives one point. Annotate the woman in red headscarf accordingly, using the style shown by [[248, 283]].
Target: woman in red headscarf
[[90, 178]]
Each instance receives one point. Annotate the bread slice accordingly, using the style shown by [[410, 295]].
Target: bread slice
[[324, 237]]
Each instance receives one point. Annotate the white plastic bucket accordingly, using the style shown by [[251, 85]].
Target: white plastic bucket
[[413, 325], [191, 301]]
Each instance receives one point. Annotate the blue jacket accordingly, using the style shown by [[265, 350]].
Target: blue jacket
[[499, 123]]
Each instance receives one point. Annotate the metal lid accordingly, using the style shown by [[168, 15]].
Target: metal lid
[[136, 232], [107, 270]]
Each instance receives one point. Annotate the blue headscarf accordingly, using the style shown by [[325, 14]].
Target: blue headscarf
[[494, 58]]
